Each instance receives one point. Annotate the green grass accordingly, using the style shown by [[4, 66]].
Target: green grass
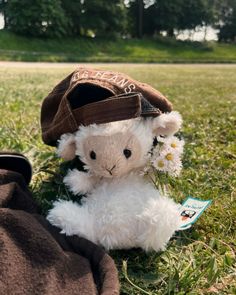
[[200, 260], [163, 50]]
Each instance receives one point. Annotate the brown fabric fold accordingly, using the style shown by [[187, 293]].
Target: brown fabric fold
[[122, 107], [35, 259]]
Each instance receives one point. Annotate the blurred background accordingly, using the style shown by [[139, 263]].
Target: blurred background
[[147, 26]]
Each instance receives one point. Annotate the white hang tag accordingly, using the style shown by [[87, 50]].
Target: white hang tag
[[191, 210]]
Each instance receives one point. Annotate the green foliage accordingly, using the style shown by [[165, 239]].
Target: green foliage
[[172, 15], [57, 18], [199, 261], [72, 11], [103, 19], [227, 26], [123, 18], [92, 17], [196, 14], [41, 18]]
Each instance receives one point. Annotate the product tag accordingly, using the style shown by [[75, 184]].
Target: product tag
[[191, 210]]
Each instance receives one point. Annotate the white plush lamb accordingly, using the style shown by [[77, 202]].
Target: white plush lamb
[[122, 208]]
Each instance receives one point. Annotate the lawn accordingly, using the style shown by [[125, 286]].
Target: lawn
[[200, 260], [160, 50]]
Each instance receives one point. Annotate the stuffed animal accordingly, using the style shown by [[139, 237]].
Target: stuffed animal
[[122, 209]]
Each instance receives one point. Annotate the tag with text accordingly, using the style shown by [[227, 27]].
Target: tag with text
[[191, 210]]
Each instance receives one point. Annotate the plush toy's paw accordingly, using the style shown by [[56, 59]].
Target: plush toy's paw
[[72, 219], [78, 182], [158, 223], [61, 216]]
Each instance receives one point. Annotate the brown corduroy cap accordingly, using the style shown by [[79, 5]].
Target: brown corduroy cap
[[89, 96]]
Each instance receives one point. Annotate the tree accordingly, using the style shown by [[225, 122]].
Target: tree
[[196, 13], [56, 18], [227, 21], [103, 19], [73, 11], [168, 14], [162, 15], [139, 19], [36, 18]]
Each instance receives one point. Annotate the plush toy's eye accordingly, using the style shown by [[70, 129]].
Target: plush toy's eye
[[93, 155], [127, 153]]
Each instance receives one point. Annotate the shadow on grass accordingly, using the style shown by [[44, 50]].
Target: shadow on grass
[[49, 186]]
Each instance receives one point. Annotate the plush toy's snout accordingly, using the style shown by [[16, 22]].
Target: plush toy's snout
[[109, 155]]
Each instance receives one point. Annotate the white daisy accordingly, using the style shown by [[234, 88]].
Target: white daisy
[[168, 161], [173, 143]]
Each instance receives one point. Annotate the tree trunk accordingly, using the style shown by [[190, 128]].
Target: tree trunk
[[140, 18], [170, 33], [205, 33]]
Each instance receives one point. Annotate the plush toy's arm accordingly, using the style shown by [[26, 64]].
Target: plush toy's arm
[[79, 182], [72, 219]]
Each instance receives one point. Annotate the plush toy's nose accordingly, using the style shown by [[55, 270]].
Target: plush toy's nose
[[110, 170]]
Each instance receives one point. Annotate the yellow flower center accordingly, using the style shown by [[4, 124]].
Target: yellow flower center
[[169, 157], [173, 145], [160, 164]]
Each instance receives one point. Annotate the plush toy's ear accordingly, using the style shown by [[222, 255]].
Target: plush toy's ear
[[167, 124], [66, 147]]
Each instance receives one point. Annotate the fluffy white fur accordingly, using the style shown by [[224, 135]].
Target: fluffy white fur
[[120, 214], [66, 147], [122, 210], [167, 124], [79, 182]]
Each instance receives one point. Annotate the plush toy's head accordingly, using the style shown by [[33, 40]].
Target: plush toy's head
[[117, 148]]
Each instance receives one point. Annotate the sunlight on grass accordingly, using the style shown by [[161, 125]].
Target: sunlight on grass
[[200, 260]]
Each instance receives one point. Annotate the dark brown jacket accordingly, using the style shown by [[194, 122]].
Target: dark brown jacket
[[35, 259]]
